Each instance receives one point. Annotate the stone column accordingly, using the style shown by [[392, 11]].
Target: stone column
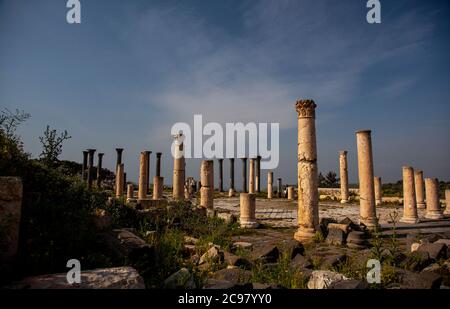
[[409, 197], [343, 174], [433, 205], [158, 164], [280, 188], [207, 179], [248, 210], [420, 189], [308, 192], [378, 192], [251, 180], [84, 166], [90, 174], [258, 175], [119, 156], [232, 190], [244, 175], [130, 192], [290, 193], [368, 215], [119, 180], [148, 153], [270, 185], [220, 175], [143, 168], [158, 186], [447, 202], [124, 181], [178, 169], [99, 170]]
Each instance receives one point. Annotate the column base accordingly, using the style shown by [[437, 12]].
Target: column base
[[378, 203], [344, 201], [436, 214], [421, 206], [249, 224], [409, 220], [305, 234], [370, 223], [231, 193]]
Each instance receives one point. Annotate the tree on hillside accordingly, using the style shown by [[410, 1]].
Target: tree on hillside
[[52, 145], [331, 179]]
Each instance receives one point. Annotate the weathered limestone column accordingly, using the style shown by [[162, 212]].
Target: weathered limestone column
[[178, 169], [378, 192], [119, 152], [232, 190], [270, 185], [158, 185], [290, 193], [130, 191], [258, 175], [158, 164], [248, 210], [148, 153], [368, 215], [420, 189], [308, 193], [84, 166], [11, 192], [409, 197], [343, 174], [124, 180], [220, 175], [447, 202], [433, 206], [119, 180], [280, 188], [207, 179], [251, 178], [244, 175], [90, 176], [143, 168], [99, 170]]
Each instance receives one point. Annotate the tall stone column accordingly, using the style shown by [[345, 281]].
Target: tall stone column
[[124, 181], [158, 164], [130, 192], [232, 188], [280, 188], [119, 152], [251, 180], [244, 175], [378, 192], [178, 169], [258, 175], [99, 170], [409, 197], [420, 189], [447, 202], [308, 192], [220, 175], [248, 210], [84, 166], [207, 189], [270, 185], [90, 176], [368, 215], [143, 168], [148, 153], [433, 205], [343, 174], [119, 180], [290, 193]]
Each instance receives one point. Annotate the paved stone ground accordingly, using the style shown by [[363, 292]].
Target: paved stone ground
[[281, 213]]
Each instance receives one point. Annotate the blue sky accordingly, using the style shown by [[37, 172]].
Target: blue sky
[[132, 69]]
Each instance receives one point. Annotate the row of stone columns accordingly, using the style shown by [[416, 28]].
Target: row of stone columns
[[88, 173]]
